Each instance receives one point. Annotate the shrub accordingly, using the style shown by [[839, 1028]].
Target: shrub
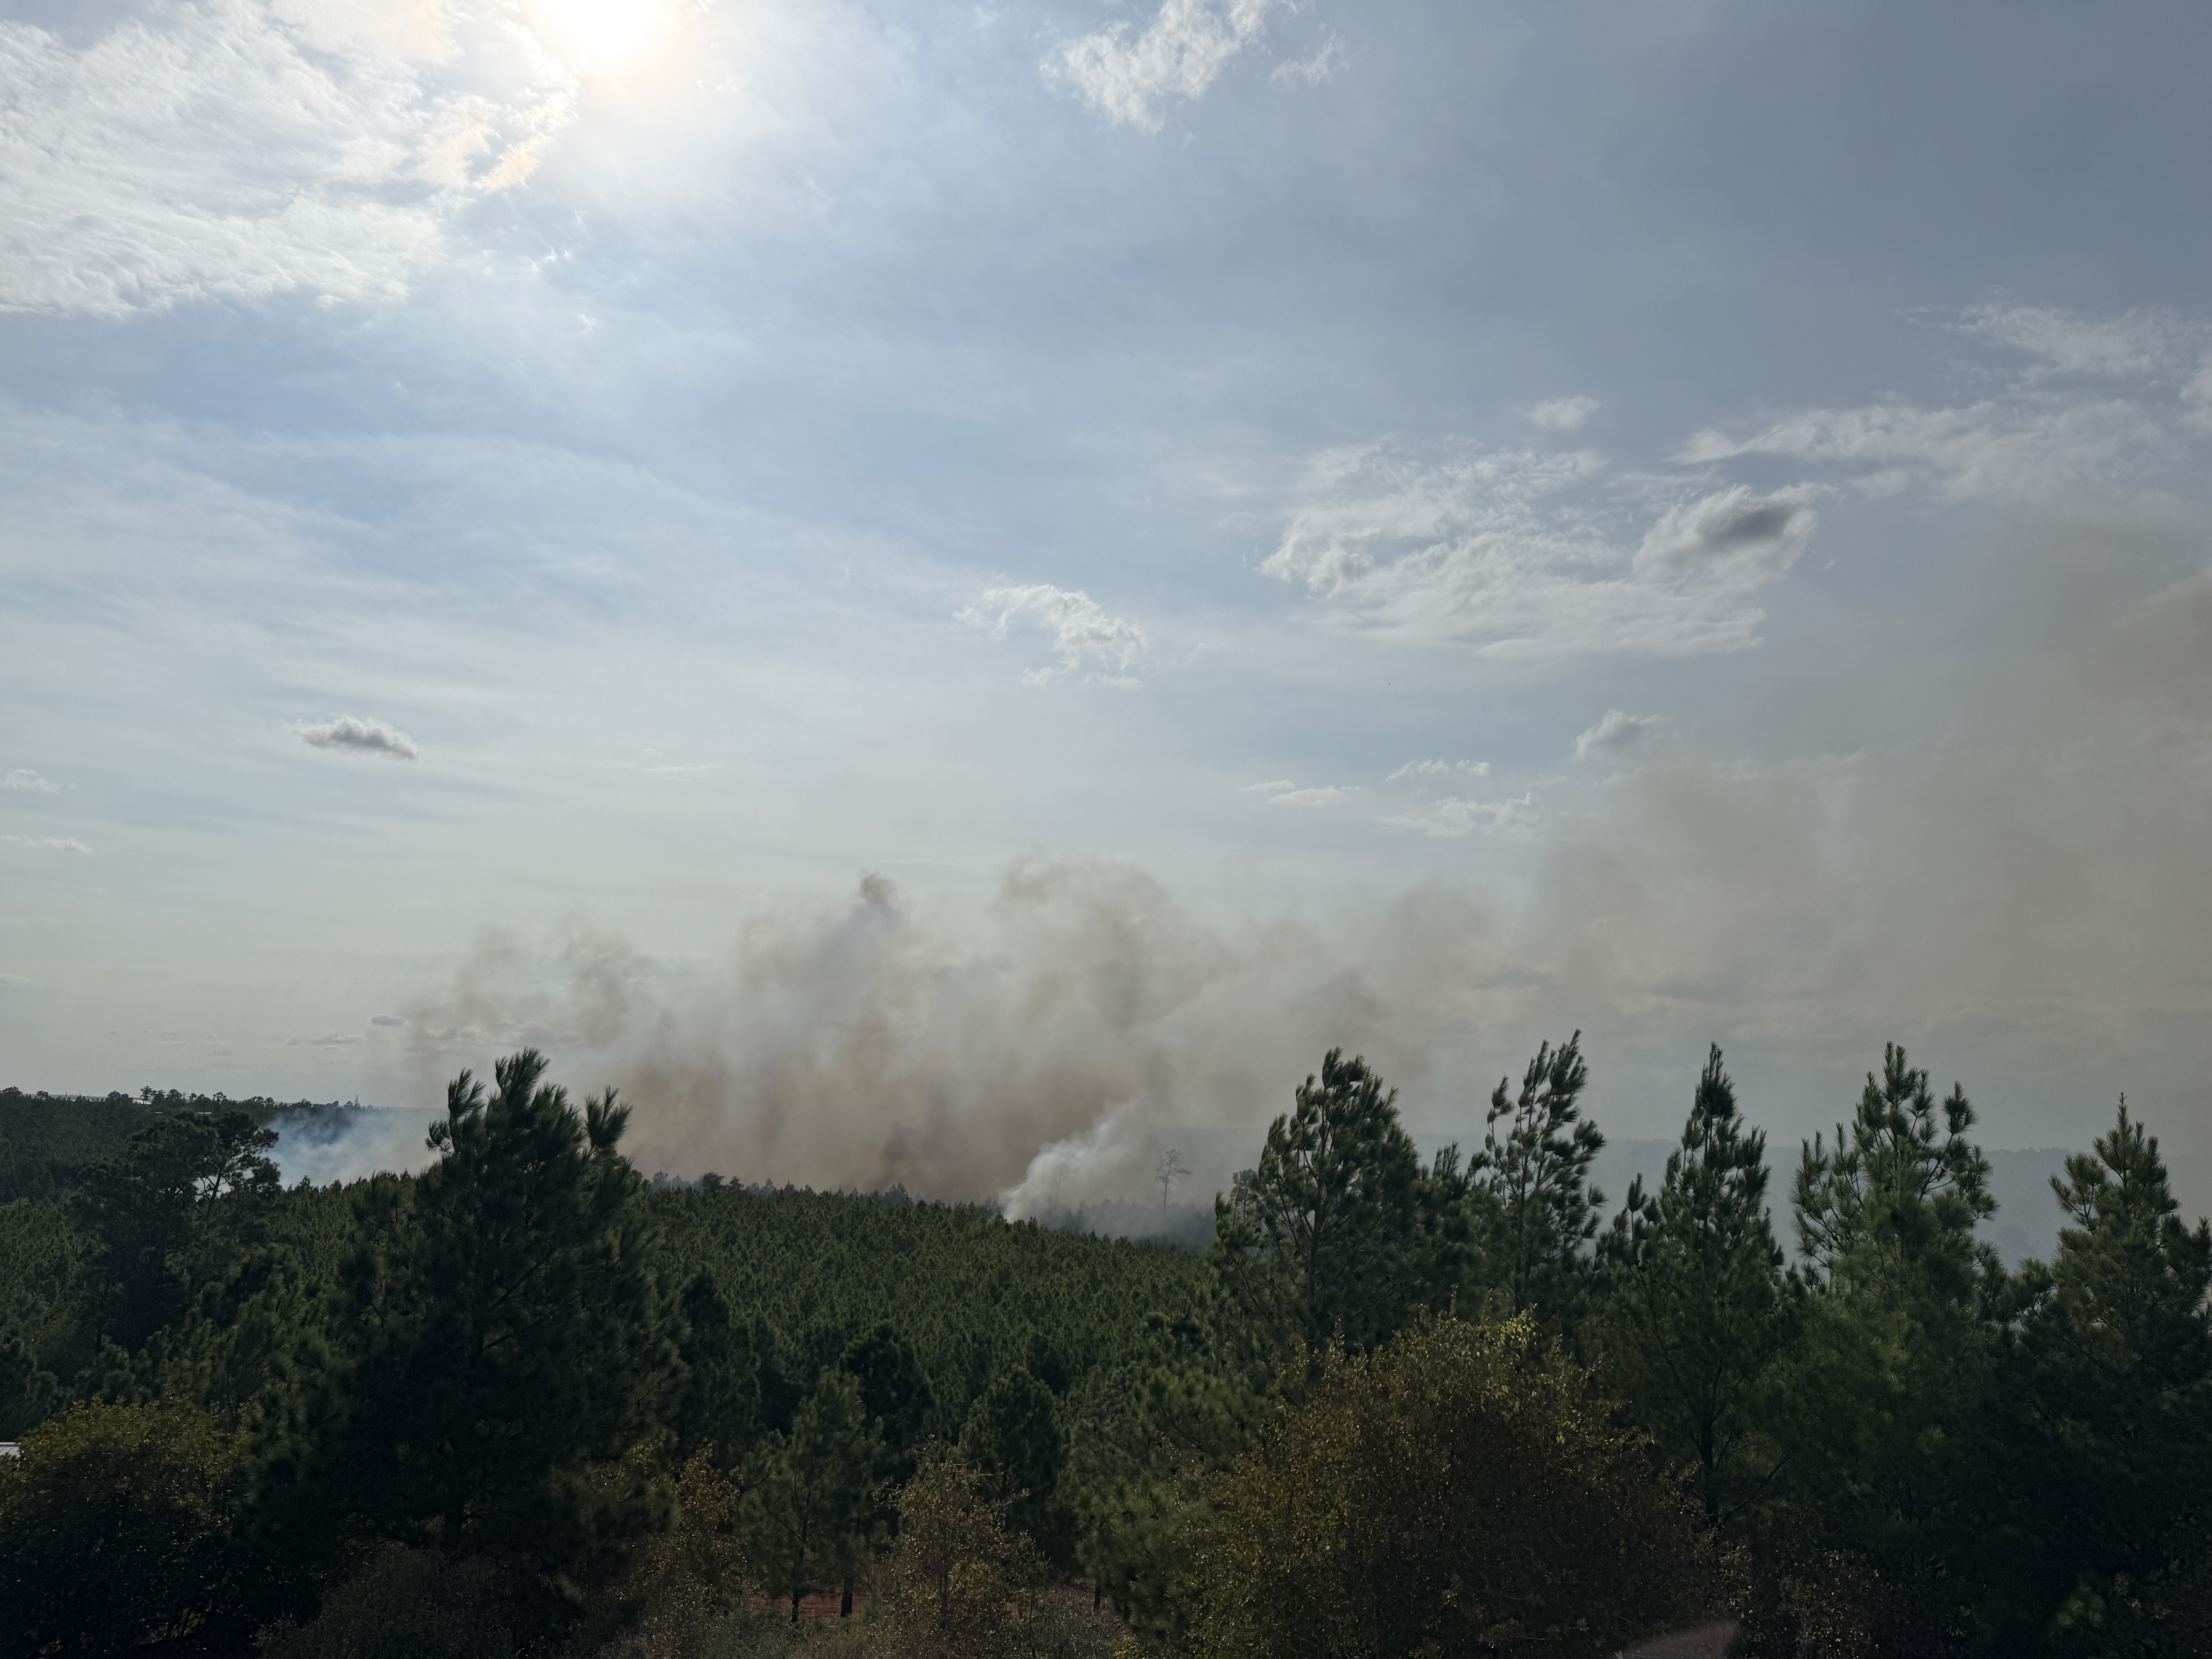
[[114, 1524], [408, 1604], [1459, 1491], [949, 1587]]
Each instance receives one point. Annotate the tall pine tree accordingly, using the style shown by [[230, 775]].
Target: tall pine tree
[[810, 1495], [2115, 1375], [1693, 1316], [1888, 1394], [1540, 1212], [1325, 1236], [506, 1329]]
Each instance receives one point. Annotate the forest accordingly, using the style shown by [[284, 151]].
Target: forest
[[526, 1402]]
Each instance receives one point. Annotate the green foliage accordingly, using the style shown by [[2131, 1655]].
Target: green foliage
[[505, 1329], [719, 1399], [513, 1390], [1012, 1436], [1887, 1397], [1460, 1491], [1144, 1439], [809, 1274], [810, 1495], [2114, 1380], [894, 1392], [1902, 1186], [114, 1529], [950, 1586], [42, 1334], [410, 1604], [1541, 1212], [1325, 1237], [186, 1196], [1693, 1314]]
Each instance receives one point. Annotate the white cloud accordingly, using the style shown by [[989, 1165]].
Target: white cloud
[[1423, 770], [22, 777], [47, 843], [1740, 538], [2135, 345], [1272, 786], [1618, 732], [1310, 71], [1179, 55], [1525, 552], [244, 148], [1081, 630], [1562, 414], [2045, 433], [2020, 448], [350, 735], [1326, 795], [1453, 816]]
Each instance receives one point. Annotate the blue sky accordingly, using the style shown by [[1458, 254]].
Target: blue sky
[[940, 590]]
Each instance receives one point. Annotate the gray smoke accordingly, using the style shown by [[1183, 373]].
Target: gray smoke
[[1978, 831], [1046, 1049]]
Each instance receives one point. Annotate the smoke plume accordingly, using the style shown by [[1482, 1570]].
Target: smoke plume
[[1994, 856]]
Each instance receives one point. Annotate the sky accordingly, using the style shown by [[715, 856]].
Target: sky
[[946, 593]]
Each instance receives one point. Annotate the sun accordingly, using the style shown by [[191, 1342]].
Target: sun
[[605, 37]]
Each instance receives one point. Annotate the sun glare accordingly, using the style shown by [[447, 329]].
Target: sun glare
[[605, 37]]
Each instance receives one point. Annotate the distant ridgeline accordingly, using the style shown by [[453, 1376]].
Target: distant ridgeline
[[46, 1140]]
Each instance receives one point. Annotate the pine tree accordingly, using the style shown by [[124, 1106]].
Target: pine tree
[[1542, 1212], [719, 1401], [1888, 1394], [1324, 1234], [507, 1330], [188, 1194], [810, 1495], [1693, 1314], [1012, 1438], [2115, 1368]]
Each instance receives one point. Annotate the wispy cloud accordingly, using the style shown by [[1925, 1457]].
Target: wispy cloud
[[251, 147], [1323, 795], [2135, 345], [22, 777], [1562, 414], [1618, 732], [2101, 401], [350, 735], [1423, 771], [47, 843], [1454, 815], [1179, 55], [1083, 630], [1310, 71], [1529, 552]]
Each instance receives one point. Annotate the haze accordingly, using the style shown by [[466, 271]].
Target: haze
[[941, 591]]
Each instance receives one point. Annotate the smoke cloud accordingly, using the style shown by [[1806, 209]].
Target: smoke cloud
[[1044, 1050], [2001, 866]]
